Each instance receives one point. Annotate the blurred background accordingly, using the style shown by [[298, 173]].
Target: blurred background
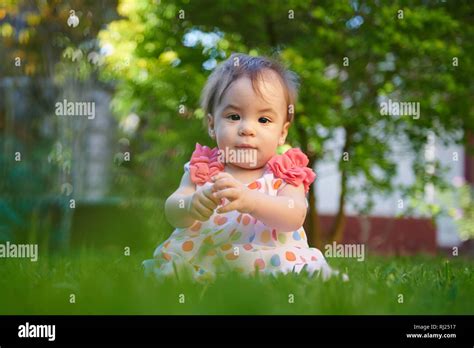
[[399, 184]]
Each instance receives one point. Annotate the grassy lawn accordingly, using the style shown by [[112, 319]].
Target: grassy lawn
[[104, 283]]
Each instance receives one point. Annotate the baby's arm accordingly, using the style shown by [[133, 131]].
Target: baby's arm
[[285, 212], [186, 204], [175, 206]]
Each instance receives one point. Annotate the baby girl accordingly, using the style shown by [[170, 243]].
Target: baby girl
[[240, 206]]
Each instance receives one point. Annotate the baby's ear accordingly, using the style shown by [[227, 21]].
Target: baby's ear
[[284, 133], [210, 126]]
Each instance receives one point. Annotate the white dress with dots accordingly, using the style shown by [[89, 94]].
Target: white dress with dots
[[240, 242]]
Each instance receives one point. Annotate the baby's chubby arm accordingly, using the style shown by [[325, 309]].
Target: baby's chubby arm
[[186, 204], [285, 212]]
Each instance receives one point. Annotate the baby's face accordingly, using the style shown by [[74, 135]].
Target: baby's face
[[246, 117]]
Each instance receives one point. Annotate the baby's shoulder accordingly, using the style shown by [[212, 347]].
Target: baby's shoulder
[[204, 164], [292, 167]]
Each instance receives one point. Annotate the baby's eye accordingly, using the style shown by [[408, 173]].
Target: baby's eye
[[234, 117], [263, 120]]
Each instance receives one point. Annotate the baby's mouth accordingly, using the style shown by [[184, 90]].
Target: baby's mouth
[[246, 146]]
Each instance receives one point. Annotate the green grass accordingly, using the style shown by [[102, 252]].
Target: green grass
[[104, 283]]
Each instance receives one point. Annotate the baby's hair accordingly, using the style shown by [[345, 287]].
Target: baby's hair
[[238, 65]]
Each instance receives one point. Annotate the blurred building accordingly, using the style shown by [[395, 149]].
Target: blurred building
[[382, 231]]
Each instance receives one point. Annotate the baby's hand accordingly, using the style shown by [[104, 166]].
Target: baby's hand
[[202, 204], [239, 195]]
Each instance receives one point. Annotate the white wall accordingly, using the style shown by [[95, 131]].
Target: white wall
[[328, 184]]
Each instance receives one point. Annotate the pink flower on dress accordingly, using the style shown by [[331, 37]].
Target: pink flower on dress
[[292, 167], [204, 164]]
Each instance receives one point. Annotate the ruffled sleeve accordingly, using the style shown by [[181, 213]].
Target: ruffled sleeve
[[204, 164], [292, 167]]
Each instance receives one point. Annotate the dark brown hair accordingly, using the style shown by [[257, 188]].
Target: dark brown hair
[[238, 65]]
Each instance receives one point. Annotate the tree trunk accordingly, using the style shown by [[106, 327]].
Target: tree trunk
[[316, 236], [336, 233], [312, 224]]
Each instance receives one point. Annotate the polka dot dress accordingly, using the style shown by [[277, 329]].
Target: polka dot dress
[[239, 242]]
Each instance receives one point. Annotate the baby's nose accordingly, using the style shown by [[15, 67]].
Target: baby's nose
[[246, 129]]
